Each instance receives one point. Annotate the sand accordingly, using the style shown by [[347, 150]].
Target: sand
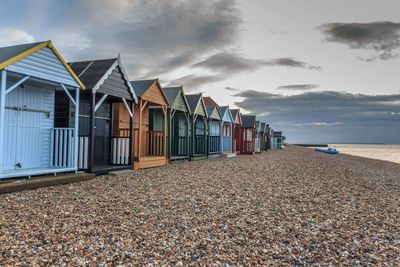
[[382, 152], [290, 207]]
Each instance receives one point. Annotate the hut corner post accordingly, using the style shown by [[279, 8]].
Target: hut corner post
[[221, 137], [131, 133], [77, 89], [2, 113]]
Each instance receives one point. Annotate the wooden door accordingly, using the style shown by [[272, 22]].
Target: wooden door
[[29, 119]]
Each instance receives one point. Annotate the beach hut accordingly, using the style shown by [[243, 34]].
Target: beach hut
[[227, 132], [276, 140], [262, 136], [248, 134], [150, 124], [257, 139], [107, 84], [237, 131], [214, 127], [178, 123], [30, 144], [268, 135], [198, 127]]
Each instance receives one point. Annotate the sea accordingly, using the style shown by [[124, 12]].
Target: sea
[[373, 151]]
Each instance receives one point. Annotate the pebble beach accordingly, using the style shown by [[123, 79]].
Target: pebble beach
[[288, 207]]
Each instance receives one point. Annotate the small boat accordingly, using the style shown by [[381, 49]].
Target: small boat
[[329, 150]]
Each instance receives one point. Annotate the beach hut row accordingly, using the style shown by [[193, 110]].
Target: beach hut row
[[89, 116]]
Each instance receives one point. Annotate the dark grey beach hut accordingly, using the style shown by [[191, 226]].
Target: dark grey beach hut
[[100, 150], [178, 123], [198, 127]]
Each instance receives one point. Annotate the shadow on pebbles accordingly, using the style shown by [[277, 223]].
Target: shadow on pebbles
[[289, 207]]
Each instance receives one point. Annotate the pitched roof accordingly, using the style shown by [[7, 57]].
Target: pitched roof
[[93, 73], [209, 101], [141, 86], [172, 93], [248, 121], [193, 101], [11, 54], [223, 109], [234, 113]]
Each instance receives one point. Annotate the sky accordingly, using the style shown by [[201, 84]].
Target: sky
[[320, 71]]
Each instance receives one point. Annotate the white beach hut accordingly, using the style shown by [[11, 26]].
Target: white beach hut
[[29, 143]]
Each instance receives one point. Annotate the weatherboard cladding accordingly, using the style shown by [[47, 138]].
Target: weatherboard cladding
[[196, 105], [46, 65], [225, 113], [176, 98], [115, 85], [213, 112], [27, 134], [91, 72], [140, 87]]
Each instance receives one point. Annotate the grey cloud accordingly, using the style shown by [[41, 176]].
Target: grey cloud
[[193, 82], [227, 62], [295, 87], [382, 37], [328, 116], [291, 62], [232, 89], [153, 37]]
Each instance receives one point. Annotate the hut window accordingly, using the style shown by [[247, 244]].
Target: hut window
[[214, 128], [249, 135], [227, 130], [200, 127]]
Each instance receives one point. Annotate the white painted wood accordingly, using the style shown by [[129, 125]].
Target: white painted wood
[[127, 108], [3, 83], [100, 102], [9, 90], [68, 94], [44, 64], [76, 132]]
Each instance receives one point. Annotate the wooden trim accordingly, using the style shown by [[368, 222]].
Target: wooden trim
[[143, 105], [76, 78], [140, 129], [164, 109], [23, 55], [36, 48]]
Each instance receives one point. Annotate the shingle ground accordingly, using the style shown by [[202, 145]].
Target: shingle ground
[[288, 207]]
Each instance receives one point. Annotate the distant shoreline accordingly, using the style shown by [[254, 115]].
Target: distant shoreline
[[326, 145]]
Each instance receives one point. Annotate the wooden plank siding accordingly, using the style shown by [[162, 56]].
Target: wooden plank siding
[[154, 94], [115, 85], [179, 103]]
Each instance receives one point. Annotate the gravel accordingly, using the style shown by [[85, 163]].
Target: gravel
[[289, 207]]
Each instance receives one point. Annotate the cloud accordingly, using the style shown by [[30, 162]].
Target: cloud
[[155, 37], [383, 37], [327, 116], [158, 37], [228, 62], [231, 89], [193, 82], [13, 36], [295, 87]]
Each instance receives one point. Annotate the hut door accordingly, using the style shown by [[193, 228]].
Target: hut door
[[28, 124], [102, 135]]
